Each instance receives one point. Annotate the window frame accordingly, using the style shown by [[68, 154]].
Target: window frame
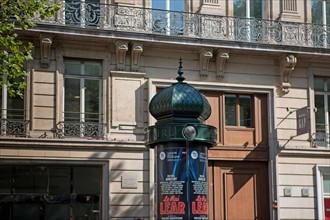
[[17, 119], [96, 128], [238, 110], [326, 97], [321, 170]]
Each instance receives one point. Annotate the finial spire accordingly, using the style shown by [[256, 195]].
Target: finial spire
[[180, 78]]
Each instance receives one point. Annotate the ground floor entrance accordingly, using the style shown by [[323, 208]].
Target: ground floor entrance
[[238, 190]]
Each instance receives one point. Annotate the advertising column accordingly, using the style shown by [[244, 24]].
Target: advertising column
[[181, 181]]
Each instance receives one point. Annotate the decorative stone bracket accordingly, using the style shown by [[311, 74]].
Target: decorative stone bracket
[[221, 60], [45, 44], [204, 58], [121, 49], [137, 49], [287, 65]]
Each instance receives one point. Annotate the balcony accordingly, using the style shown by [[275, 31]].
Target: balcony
[[91, 130], [189, 26], [15, 127]]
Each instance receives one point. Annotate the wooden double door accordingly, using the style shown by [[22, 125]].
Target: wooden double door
[[238, 190]]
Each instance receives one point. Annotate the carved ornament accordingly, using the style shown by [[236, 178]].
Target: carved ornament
[[204, 58]]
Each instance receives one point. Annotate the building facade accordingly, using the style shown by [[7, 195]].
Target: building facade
[[74, 147]]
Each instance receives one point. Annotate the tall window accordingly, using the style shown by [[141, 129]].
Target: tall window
[[323, 191], [168, 16], [238, 110], [247, 26], [322, 104], [82, 12], [49, 192], [82, 96], [12, 114], [320, 16]]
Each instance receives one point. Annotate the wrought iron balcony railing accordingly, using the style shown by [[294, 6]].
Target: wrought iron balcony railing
[[192, 25], [80, 129], [15, 127]]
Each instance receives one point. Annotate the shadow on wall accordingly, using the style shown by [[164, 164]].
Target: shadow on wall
[[129, 185]]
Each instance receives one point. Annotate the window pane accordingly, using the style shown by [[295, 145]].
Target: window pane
[[15, 108], [72, 99], [316, 12], [319, 84], [92, 69], [59, 180], [92, 100], [326, 184], [256, 9], [57, 211], [320, 120], [245, 111], [159, 4], [26, 211], [86, 211], [86, 180], [5, 178], [5, 211], [328, 12], [177, 5], [230, 110], [319, 115], [328, 83], [240, 8], [72, 67], [31, 179]]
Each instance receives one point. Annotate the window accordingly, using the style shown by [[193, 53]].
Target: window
[[320, 16], [323, 191], [12, 114], [322, 105], [82, 98], [248, 25], [238, 110], [240, 119], [82, 12], [49, 192], [168, 16]]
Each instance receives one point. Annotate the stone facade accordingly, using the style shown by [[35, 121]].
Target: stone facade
[[135, 63]]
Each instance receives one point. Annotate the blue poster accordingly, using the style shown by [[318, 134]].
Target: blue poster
[[181, 174]]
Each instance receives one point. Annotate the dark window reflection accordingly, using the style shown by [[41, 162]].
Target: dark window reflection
[[48, 192]]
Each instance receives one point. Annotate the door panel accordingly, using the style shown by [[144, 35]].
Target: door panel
[[238, 190]]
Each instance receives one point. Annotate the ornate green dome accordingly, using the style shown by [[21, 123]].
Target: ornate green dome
[[180, 103]]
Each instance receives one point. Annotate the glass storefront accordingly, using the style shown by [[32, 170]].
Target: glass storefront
[[50, 192]]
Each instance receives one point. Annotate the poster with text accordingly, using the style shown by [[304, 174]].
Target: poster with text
[[181, 174]]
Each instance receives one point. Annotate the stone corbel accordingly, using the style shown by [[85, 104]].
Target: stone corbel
[[204, 58], [45, 44], [287, 66], [121, 49], [137, 49], [221, 60]]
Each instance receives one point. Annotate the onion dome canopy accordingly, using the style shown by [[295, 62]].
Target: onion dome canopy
[[180, 102]]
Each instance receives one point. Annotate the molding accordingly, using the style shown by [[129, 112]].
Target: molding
[[125, 74], [121, 50], [45, 47], [221, 61], [204, 58], [137, 49], [287, 65]]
